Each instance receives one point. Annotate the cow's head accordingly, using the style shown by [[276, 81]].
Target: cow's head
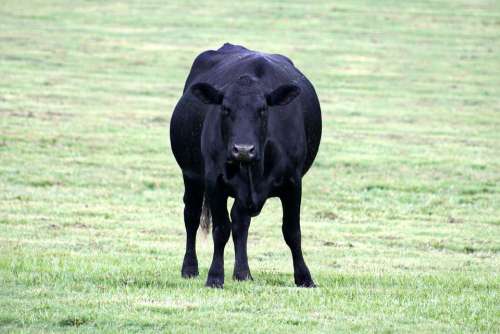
[[244, 108]]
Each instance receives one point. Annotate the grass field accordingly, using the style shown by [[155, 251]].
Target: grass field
[[401, 212]]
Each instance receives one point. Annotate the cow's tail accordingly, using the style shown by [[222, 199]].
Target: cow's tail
[[206, 217]]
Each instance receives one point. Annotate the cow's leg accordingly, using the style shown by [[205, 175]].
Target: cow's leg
[[221, 230], [240, 222], [193, 200], [290, 201]]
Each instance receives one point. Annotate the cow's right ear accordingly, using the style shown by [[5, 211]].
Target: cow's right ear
[[206, 93]]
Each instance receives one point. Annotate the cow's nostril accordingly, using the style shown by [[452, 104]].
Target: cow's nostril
[[244, 153]]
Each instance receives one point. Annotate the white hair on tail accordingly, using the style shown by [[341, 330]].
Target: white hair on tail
[[206, 217]]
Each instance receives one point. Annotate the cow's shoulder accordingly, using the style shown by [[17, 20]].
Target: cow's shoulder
[[206, 60], [281, 59], [203, 65]]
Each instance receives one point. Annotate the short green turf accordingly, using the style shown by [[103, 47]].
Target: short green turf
[[401, 211]]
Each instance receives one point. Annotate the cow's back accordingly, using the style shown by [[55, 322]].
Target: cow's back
[[227, 64]]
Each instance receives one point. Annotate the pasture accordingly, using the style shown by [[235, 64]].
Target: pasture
[[400, 214]]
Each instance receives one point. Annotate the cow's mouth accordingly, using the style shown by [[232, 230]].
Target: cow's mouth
[[233, 167]]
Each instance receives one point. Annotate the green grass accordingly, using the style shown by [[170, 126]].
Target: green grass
[[401, 212]]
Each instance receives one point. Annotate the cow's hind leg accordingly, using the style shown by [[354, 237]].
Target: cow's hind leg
[[193, 200], [240, 222], [290, 201]]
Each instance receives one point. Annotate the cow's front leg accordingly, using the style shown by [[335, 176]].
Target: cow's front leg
[[290, 201], [221, 230], [240, 222], [193, 199]]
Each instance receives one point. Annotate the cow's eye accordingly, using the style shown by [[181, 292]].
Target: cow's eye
[[225, 111]]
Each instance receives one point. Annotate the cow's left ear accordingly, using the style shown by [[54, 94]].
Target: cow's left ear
[[283, 95], [207, 93]]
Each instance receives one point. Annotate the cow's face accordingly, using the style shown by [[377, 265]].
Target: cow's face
[[244, 109]]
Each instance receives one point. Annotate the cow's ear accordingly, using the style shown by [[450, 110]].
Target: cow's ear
[[283, 95], [206, 93]]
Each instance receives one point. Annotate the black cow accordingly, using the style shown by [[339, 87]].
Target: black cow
[[248, 126]]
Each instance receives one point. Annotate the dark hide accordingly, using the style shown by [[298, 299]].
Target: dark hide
[[248, 126]]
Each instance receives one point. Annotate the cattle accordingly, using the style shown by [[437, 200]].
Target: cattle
[[248, 126]]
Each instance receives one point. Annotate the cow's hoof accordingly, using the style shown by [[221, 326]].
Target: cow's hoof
[[215, 282], [189, 272], [304, 282], [242, 276]]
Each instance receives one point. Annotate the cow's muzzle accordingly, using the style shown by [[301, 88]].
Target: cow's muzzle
[[243, 153]]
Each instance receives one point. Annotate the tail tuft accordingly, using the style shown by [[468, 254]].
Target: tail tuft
[[206, 217]]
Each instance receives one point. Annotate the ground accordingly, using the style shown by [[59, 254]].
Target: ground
[[401, 211]]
